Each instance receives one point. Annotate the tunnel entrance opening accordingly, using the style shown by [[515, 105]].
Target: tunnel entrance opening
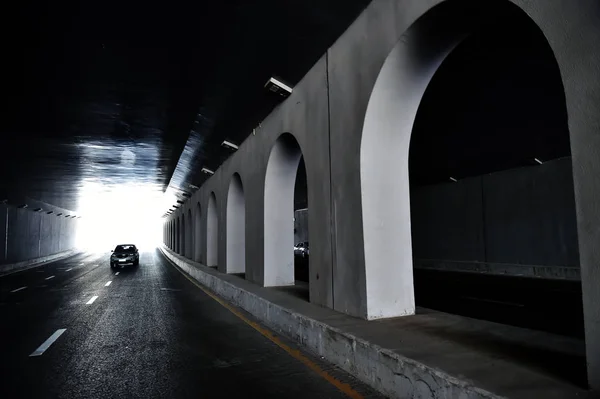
[[212, 232], [198, 234], [236, 227], [280, 188], [480, 115]]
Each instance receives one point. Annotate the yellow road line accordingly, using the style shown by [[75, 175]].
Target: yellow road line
[[342, 386]]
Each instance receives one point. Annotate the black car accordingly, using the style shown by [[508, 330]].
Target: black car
[[123, 255]]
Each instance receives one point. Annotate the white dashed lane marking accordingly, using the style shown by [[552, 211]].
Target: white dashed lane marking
[[43, 347], [107, 284], [18, 289], [92, 299], [48, 278]]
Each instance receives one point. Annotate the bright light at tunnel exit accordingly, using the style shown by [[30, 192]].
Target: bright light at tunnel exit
[[119, 214]]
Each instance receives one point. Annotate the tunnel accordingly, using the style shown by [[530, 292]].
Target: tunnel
[[367, 199]]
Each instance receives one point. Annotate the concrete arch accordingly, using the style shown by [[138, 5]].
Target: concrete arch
[[280, 179], [212, 232], [198, 233], [189, 239], [236, 226], [385, 142]]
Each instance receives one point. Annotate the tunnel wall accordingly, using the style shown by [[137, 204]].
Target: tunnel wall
[[27, 235], [326, 114], [523, 216]]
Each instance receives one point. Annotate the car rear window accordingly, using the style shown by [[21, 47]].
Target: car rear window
[[125, 248]]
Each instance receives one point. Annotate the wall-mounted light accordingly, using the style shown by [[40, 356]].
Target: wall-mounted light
[[538, 161], [277, 86], [207, 171], [229, 144], [453, 179]]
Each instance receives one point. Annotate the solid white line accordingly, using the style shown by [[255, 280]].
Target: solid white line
[[18, 289], [92, 300], [117, 273], [107, 284], [39, 351], [68, 270], [48, 278]]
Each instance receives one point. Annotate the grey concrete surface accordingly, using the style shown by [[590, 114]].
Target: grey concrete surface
[[521, 217], [430, 355], [150, 334], [327, 114], [28, 236]]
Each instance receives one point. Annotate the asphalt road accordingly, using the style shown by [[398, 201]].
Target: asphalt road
[[150, 333]]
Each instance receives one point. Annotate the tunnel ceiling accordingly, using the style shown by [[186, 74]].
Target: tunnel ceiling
[[133, 93], [142, 93]]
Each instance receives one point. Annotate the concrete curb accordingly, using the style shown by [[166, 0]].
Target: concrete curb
[[384, 370], [10, 268]]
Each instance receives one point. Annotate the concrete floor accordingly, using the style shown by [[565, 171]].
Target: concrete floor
[[151, 333]]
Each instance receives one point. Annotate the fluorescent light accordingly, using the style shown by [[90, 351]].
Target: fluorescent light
[[538, 161], [210, 172], [229, 144], [280, 84], [453, 179]]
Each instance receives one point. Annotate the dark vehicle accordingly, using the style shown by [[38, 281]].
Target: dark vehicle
[[124, 254], [301, 249]]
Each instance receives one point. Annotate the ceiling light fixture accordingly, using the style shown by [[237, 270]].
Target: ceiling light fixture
[[37, 209], [277, 86], [207, 171], [229, 144], [58, 214], [538, 161], [49, 212], [179, 202]]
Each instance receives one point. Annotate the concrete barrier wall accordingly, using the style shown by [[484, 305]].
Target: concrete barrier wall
[[520, 221], [27, 237], [394, 375]]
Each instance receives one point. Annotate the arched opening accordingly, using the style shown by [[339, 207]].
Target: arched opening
[[280, 182], [212, 232], [189, 239], [388, 126], [236, 227], [198, 234], [509, 209], [181, 233], [465, 167]]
